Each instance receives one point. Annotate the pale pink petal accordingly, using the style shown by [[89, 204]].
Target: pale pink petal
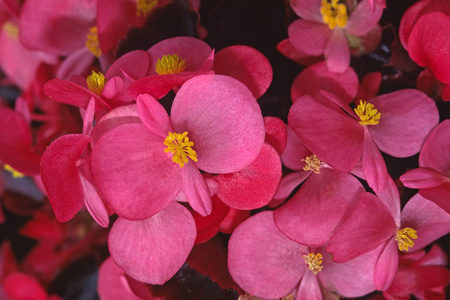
[[430, 221], [60, 175], [309, 37], [276, 134], [196, 190], [154, 249], [286, 48], [337, 51], [309, 287], [423, 178], [223, 120], [435, 153], [328, 132], [134, 63], [307, 9], [153, 115], [395, 134], [247, 65], [363, 18], [387, 265], [321, 205], [273, 263], [287, 184], [374, 167], [134, 174], [254, 186], [370, 225], [317, 77]]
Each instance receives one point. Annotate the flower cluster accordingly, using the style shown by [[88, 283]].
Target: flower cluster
[[166, 153]]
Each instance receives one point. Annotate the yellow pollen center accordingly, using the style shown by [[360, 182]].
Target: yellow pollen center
[[92, 42], [181, 148], [312, 163], [14, 172], [334, 14], [314, 262], [405, 237], [170, 64], [367, 113], [144, 7], [11, 29], [96, 82]]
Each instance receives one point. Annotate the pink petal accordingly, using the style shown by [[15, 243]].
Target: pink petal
[[233, 219], [309, 287], [78, 62], [432, 30], [309, 37], [435, 153], [134, 174], [335, 137], [363, 18], [247, 65], [374, 167], [276, 134], [153, 115], [394, 134], [154, 249], [438, 195], [135, 63], [317, 77], [321, 205], [20, 286], [60, 175], [430, 221], [196, 190], [295, 153], [370, 225], [223, 120], [307, 9], [208, 227], [273, 263], [337, 51], [287, 184], [387, 265], [254, 186], [423, 178], [286, 48], [390, 197], [369, 86]]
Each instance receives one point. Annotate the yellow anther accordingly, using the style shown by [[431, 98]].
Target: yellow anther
[[181, 148], [334, 13], [170, 64], [367, 113], [92, 42], [314, 262], [96, 82], [11, 29], [144, 7], [312, 163], [405, 237], [14, 172]]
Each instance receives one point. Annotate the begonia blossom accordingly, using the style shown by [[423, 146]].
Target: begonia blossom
[[331, 28]]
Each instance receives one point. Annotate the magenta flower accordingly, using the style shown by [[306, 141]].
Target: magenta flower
[[330, 29], [215, 125], [433, 176], [342, 137], [267, 264]]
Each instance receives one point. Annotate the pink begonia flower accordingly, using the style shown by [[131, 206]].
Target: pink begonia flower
[[420, 274], [267, 264], [218, 127], [433, 176], [377, 221], [317, 77], [341, 137], [152, 250], [172, 62], [330, 29]]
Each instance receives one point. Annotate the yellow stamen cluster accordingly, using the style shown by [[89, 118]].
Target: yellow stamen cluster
[[181, 148], [314, 262], [11, 29], [96, 82], [170, 64], [144, 7], [367, 113], [92, 42], [405, 237], [334, 14], [14, 172], [312, 163]]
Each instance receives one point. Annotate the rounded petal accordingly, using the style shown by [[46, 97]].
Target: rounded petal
[[295, 153], [435, 153], [134, 63], [337, 51], [423, 178], [273, 263], [288, 184], [223, 120], [363, 18], [374, 167], [20, 286], [309, 37], [307, 9], [321, 205], [154, 249], [134, 174], [276, 134], [407, 117], [387, 265], [438, 195]]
